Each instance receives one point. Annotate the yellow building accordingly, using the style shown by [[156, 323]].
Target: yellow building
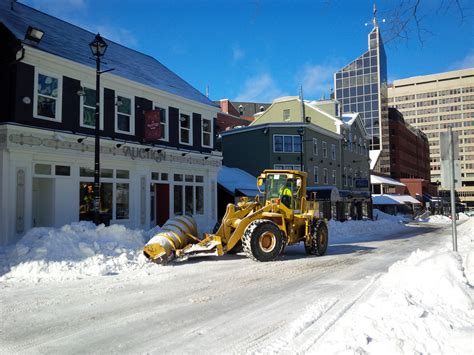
[[432, 103]]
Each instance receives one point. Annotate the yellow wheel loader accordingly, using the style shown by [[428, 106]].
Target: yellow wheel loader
[[262, 227]]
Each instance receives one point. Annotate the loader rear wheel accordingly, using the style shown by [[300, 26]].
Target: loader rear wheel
[[263, 240], [319, 239]]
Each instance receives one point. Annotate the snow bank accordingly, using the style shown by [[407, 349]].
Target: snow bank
[[355, 231], [74, 251], [436, 219], [424, 304]]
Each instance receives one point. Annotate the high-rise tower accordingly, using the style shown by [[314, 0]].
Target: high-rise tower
[[361, 86]]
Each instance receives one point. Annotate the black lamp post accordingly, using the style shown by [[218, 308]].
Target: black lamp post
[[301, 134], [98, 48]]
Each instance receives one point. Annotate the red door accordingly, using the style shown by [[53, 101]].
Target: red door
[[162, 198]]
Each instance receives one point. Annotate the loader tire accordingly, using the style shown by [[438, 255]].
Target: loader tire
[[263, 240], [319, 239]]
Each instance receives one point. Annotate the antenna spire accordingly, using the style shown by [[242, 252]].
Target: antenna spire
[[374, 20], [207, 91]]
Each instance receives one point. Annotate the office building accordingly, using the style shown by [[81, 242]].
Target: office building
[[434, 102]]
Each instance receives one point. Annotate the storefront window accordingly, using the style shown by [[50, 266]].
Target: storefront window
[[178, 200], [123, 174], [86, 201], [189, 199], [122, 200], [107, 173], [63, 170], [86, 172], [199, 200]]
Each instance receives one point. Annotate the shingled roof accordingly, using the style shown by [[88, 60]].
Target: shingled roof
[[72, 42]]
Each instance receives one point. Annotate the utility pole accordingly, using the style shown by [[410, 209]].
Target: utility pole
[[453, 201]]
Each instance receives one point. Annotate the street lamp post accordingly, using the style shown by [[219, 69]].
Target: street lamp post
[[98, 47], [301, 134]]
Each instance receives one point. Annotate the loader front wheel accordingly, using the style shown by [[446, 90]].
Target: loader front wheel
[[318, 243], [263, 240]]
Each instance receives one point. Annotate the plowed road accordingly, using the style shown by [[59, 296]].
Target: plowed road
[[215, 305]]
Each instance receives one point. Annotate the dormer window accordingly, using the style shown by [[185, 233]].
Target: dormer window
[[286, 115]]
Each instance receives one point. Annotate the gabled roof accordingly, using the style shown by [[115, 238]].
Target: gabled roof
[[72, 42]]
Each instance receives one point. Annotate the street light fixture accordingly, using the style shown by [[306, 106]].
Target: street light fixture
[[98, 47], [300, 132]]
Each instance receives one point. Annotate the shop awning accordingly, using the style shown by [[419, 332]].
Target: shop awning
[[376, 180], [247, 192], [389, 199], [237, 182], [354, 194], [324, 193]]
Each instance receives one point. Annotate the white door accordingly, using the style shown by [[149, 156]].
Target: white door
[[43, 207]]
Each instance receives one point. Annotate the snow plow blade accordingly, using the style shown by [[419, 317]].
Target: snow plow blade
[[211, 245]]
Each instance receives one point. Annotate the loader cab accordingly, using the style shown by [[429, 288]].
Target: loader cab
[[283, 187]]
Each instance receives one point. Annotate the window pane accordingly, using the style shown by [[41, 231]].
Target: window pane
[[123, 123], [185, 121], [189, 178], [89, 97], [297, 144], [63, 170], [199, 199], [155, 176], [123, 174], [122, 199], [184, 136], [189, 199], [125, 105], [47, 85], [46, 107], [106, 173], [106, 194], [288, 146], [199, 178], [178, 199], [206, 139], [206, 125], [89, 116], [164, 176], [178, 177], [43, 169], [278, 143], [86, 172]]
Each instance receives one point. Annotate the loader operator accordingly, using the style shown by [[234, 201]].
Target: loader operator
[[286, 194]]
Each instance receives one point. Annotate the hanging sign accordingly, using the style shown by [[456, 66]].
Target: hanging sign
[[152, 125]]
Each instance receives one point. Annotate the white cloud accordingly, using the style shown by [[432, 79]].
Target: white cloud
[[317, 80], [260, 88], [237, 53], [465, 63]]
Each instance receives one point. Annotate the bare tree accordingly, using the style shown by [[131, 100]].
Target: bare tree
[[406, 19]]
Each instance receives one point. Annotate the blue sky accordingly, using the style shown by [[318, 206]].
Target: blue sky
[[259, 50]]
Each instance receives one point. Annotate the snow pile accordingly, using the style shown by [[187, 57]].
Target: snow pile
[[354, 231], [436, 219], [74, 251], [424, 304], [378, 215]]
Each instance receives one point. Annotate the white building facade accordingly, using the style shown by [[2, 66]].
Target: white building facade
[[47, 134]]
